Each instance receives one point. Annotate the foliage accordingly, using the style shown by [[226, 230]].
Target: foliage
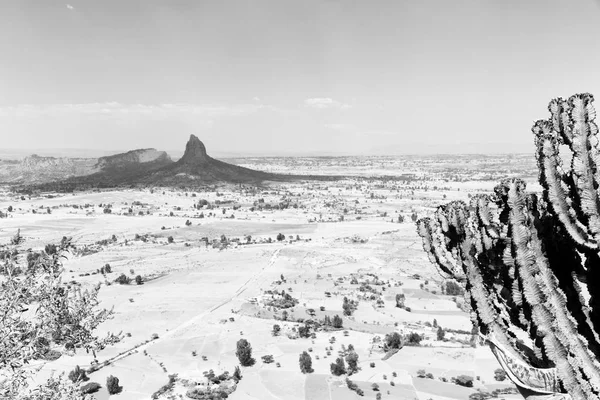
[[499, 375], [244, 353], [337, 322], [112, 385], [464, 380], [41, 318], [91, 387], [392, 341], [123, 280], [352, 361], [338, 367], [441, 333], [305, 363], [237, 374], [78, 375]]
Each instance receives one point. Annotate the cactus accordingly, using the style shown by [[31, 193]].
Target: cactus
[[530, 263]]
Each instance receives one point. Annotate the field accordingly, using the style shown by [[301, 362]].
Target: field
[[213, 265]]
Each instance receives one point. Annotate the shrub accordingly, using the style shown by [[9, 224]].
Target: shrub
[[352, 360], [139, 280], [305, 362], [89, 388], [464, 380], [337, 322], [123, 280], [375, 387], [338, 367], [372, 364], [276, 330], [244, 353], [393, 341], [77, 375], [500, 375], [237, 374], [170, 239], [440, 333], [267, 359], [400, 300], [413, 339], [112, 385]]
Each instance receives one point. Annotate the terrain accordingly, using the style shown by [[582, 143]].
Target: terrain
[[136, 168], [232, 261]]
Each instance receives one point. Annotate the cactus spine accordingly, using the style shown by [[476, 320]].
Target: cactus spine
[[531, 264]]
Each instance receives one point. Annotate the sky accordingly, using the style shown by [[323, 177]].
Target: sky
[[287, 77]]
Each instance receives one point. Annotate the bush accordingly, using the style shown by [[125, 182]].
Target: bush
[[267, 359], [280, 237], [276, 330], [139, 280], [500, 375], [244, 353], [352, 360], [89, 388], [464, 380], [400, 300], [123, 280], [440, 333], [305, 362], [413, 339], [78, 375], [337, 322], [237, 374], [393, 341], [170, 239], [338, 367], [112, 385]]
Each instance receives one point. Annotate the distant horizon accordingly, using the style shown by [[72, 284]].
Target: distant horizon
[[306, 77], [19, 154]]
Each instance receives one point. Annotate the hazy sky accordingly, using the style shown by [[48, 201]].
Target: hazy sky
[[303, 76]]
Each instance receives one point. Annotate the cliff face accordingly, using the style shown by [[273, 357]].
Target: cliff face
[[133, 157], [195, 153]]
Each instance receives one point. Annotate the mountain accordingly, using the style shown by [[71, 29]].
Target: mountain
[[149, 167], [196, 166]]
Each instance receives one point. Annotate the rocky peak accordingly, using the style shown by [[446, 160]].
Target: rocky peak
[[195, 152]]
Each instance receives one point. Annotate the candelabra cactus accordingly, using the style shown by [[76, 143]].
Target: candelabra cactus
[[530, 262]]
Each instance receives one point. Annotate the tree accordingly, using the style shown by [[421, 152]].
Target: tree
[[42, 317], [139, 280], [280, 237], [237, 374], [499, 375], [10, 208], [393, 341], [440, 333], [112, 385], [244, 353], [78, 375], [464, 380], [400, 297], [526, 259], [352, 361], [305, 363], [337, 322], [414, 339], [338, 367], [123, 280], [170, 239], [276, 330]]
